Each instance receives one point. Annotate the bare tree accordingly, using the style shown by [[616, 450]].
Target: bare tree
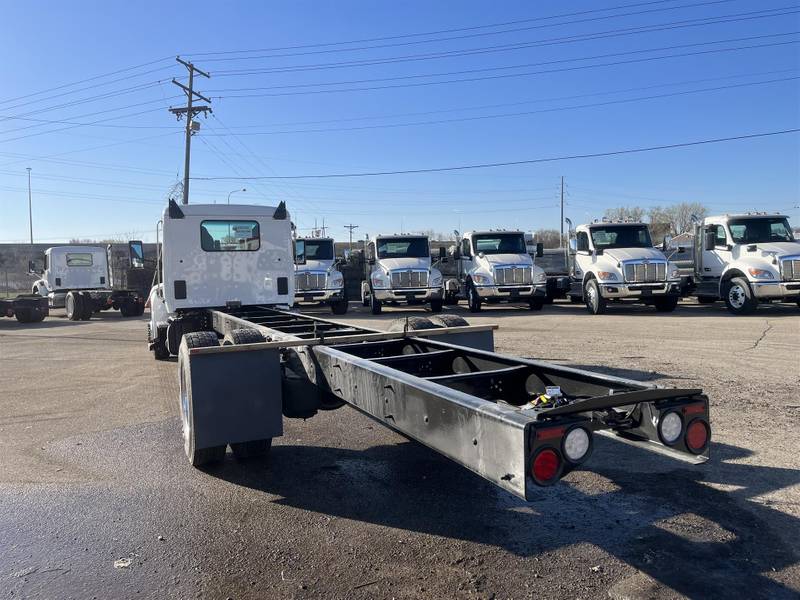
[[625, 213], [548, 237], [682, 215]]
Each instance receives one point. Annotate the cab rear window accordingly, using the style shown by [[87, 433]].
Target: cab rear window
[[230, 236], [79, 259]]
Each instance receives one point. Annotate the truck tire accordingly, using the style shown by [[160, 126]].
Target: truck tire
[[706, 299], [738, 296], [374, 305], [127, 309], [197, 456], [473, 299], [450, 298], [73, 304], [436, 305], [242, 336], [595, 303], [364, 298], [339, 307], [536, 303], [29, 314], [160, 351], [666, 305], [413, 324], [449, 320], [88, 306], [251, 449]]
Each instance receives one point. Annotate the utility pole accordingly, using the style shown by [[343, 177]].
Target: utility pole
[[30, 209], [351, 227], [189, 111], [561, 239]]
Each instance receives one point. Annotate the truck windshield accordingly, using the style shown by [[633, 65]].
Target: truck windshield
[[319, 250], [500, 243], [760, 231], [79, 259], [621, 236], [403, 248]]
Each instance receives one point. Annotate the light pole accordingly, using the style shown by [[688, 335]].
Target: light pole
[[233, 192], [30, 209]]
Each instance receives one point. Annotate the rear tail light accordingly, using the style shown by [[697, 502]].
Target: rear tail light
[[697, 435], [670, 427], [577, 445], [546, 466]]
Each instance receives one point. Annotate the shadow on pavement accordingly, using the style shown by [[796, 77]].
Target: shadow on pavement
[[407, 486]]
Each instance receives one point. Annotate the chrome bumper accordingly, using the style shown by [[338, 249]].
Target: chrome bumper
[[538, 290], [775, 289], [318, 295], [639, 290], [406, 293]]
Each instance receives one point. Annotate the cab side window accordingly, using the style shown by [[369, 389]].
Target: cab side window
[[721, 238], [583, 241]]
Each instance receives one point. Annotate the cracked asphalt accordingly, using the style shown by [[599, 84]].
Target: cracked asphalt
[[93, 472]]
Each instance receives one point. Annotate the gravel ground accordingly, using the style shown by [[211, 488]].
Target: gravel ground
[[93, 472]]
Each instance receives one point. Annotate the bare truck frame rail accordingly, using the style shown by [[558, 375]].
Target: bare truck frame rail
[[443, 387]]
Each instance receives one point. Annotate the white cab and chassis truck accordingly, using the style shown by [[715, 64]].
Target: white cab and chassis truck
[[317, 278], [80, 280], [246, 362], [616, 261], [399, 269], [743, 259], [494, 266]]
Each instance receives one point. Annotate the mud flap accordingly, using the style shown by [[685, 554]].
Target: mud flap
[[235, 396]]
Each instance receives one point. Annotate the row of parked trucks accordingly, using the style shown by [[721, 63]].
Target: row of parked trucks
[[740, 259]]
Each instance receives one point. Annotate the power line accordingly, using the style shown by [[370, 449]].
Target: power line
[[524, 113], [509, 75], [520, 162], [613, 33], [429, 33]]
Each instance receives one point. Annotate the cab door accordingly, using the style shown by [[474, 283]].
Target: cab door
[[467, 260], [715, 258], [583, 256]]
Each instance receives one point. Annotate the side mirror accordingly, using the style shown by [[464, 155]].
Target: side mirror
[[456, 252], [573, 245], [299, 252], [136, 250], [33, 269], [539, 249], [665, 244], [370, 254], [710, 240]]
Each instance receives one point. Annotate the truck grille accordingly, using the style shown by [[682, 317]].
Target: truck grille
[[309, 281], [513, 276], [641, 272], [409, 279], [791, 269]]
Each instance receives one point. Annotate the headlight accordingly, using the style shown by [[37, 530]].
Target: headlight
[[379, 280], [436, 281], [607, 275], [482, 279], [761, 273], [541, 277], [335, 281], [675, 274]]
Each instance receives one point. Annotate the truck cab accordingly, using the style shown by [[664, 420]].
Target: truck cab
[[616, 261], [744, 259], [72, 268], [399, 269], [218, 256], [494, 266], [317, 277]]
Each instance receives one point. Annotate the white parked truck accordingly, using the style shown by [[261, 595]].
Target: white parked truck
[[616, 261], [317, 277], [743, 259], [494, 266], [399, 269], [245, 361], [80, 280]]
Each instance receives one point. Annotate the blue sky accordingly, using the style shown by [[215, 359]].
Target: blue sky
[[111, 180]]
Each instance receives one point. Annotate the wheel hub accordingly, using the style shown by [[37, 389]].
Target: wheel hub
[[736, 296]]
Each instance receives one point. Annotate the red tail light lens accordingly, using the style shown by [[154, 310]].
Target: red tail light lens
[[546, 466], [697, 436]]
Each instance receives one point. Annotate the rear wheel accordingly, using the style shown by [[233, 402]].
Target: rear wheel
[[160, 351], [595, 303], [88, 306], [536, 303], [197, 456], [339, 307], [128, 308], [666, 304], [73, 305], [241, 336], [739, 297], [449, 320], [436, 305], [473, 299]]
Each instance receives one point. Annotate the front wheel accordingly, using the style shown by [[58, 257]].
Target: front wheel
[[436, 305], [739, 297], [374, 304], [473, 299], [339, 307], [536, 303], [595, 303]]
